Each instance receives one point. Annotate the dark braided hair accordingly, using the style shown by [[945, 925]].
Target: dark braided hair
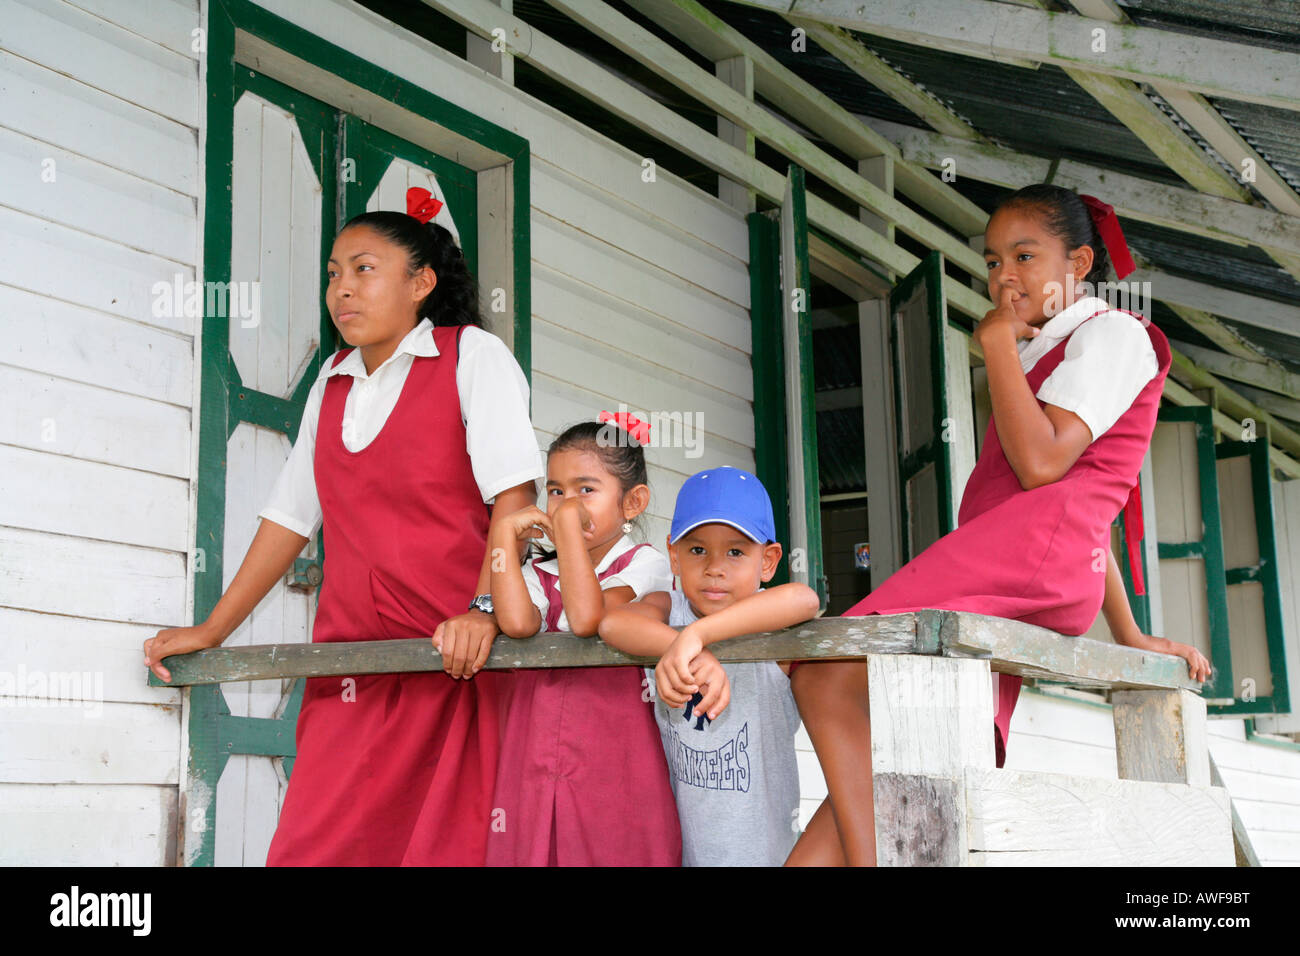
[[1066, 217], [454, 300], [620, 453]]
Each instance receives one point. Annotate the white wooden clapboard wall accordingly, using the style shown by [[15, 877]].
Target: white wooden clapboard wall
[[99, 180]]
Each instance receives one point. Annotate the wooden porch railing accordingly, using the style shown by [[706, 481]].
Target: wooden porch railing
[[939, 799]]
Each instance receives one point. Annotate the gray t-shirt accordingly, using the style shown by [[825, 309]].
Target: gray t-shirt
[[735, 779]]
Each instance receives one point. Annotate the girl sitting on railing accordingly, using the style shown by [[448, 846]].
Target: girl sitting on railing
[[1075, 387]]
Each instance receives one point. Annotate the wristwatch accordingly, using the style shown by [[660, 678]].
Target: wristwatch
[[482, 603]]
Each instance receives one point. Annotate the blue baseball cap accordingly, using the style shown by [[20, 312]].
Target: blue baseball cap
[[728, 496]]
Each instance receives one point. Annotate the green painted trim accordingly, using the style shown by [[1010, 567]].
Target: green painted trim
[[1253, 736], [1180, 550], [808, 384], [928, 274], [263, 410], [1210, 548], [1264, 573], [257, 736], [343, 63], [1047, 689], [768, 359]]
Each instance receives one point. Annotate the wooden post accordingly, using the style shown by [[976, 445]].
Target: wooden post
[[931, 720], [738, 73], [1160, 736], [478, 50]]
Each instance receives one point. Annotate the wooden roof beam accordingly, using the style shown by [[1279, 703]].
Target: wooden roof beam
[[1170, 207], [1003, 31]]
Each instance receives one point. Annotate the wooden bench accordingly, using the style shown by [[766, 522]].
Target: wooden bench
[[939, 798]]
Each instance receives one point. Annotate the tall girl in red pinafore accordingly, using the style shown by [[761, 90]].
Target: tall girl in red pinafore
[[405, 437], [583, 779], [1075, 387]]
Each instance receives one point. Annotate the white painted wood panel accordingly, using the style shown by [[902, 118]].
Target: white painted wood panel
[[169, 23], [56, 109], [614, 219], [63, 495], [90, 742], [87, 825], [676, 346], [95, 198], [110, 651], [640, 385], [1024, 818], [63, 417], [37, 255], [83, 345], [603, 266], [103, 55], [60, 574], [276, 229]]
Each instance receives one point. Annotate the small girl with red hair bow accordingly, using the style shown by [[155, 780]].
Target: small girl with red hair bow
[[582, 778]]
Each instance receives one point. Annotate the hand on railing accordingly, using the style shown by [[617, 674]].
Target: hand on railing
[[465, 641], [177, 640]]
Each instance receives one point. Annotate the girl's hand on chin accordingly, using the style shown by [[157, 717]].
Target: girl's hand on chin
[[1003, 320]]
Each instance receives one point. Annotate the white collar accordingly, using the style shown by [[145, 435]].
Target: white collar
[[1071, 317], [621, 547], [418, 341]]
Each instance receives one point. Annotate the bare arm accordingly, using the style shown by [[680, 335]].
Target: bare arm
[[1041, 443], [767, 610], [1124, 628], [269, 558], [640, 628]]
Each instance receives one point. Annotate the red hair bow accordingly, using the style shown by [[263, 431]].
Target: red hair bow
[[630, 424], [421, 204], [1107, 223]]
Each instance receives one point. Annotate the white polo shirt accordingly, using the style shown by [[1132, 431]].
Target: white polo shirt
[[493, 403], [648, 571], [1106, 363]]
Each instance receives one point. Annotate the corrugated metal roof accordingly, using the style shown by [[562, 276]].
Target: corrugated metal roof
[[1269, 23]]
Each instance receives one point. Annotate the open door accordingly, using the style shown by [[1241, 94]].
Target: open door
[[933, 413], [804, 483], [785, 419]]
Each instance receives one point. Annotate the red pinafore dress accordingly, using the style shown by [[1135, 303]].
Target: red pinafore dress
[[583, 778], [1028, 555], [395, 768]]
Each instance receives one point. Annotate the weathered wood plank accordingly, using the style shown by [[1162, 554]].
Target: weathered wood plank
[[919, 820], [1038, 819], [1160, 736], [1015, 648], [824, 639]]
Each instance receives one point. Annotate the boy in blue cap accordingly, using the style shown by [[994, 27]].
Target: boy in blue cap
[[728, 730]]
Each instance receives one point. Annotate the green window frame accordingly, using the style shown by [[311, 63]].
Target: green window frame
[[781, 288], [925, 280]]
